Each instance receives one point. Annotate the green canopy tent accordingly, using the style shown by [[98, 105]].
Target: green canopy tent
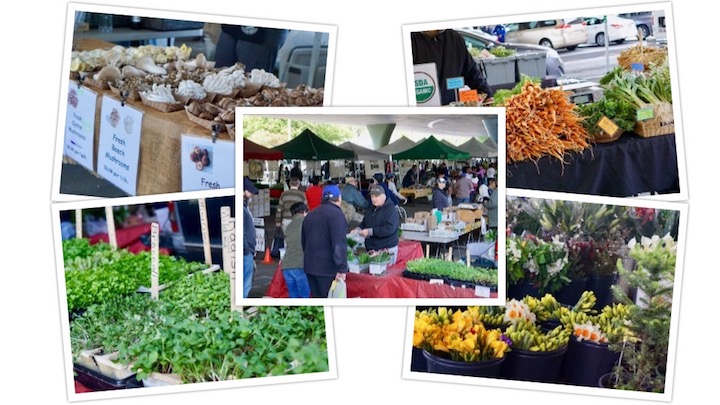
[[431, 148], [308, 146]]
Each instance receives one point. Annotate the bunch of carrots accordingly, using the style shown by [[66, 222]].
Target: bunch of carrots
[[542, 122]]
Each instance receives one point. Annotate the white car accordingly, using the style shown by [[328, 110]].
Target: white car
[[555, 34], [618, 29]]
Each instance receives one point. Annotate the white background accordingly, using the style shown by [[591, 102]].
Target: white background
[[369, 72]]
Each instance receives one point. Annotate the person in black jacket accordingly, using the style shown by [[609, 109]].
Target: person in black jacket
[[440, 199], [447, 49], [248, 238], [324, 243], [254, 47], [380, 225]]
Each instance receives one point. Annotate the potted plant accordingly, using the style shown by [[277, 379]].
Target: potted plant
[[536, 266], [379, 261], [604, 268], [453, 343], [644, 356]]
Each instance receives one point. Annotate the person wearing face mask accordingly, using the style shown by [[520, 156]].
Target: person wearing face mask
[[446, 48]]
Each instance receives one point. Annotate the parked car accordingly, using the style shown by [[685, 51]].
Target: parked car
[[643, 21], [618, 29], [481, 40], [556, 34], [659, 27]]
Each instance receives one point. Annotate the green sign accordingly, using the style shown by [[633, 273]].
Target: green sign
[[644, 114], [424, 87]]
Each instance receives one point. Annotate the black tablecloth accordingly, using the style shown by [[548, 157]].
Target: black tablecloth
[[627, 167]]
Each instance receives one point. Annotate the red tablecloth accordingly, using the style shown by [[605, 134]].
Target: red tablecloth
[[390, 285], [128, 238]]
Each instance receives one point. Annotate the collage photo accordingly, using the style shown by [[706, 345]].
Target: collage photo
[[510, 186]]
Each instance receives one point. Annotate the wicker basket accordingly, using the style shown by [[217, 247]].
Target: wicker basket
[[207, 124], [164, 107], [98, 84], [133, 94], [648, 56], [662, 123]]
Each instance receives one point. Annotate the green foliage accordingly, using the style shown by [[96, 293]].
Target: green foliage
[[269, 131], [502, 95], [453, 271], [618, 110]]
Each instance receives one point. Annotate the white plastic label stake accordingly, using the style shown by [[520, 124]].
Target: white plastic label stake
[[481, 291], [228, 248], [205, 231], [436, 281], [110, 218], [154, 263], [78, 223]]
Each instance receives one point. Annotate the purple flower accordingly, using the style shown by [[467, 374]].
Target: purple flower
[[506, 340]]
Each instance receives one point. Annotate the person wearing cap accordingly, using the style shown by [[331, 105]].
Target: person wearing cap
[[288, 198], [378, 177], [390, 182], [440, 199], [293, 262], [352, 195], [324, 243], [380, 225], [248, 238]]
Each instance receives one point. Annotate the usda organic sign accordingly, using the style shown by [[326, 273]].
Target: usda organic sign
[[426, 88]]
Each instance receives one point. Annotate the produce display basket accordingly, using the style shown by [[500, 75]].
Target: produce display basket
[[662, 123], [187, 100], [378, 269], [133, 94], [207, 124], [648, 56], [499, 70], [98, 84], [164, 107]]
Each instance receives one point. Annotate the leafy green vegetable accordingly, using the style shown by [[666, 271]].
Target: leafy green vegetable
[[501, 96], [618, 110], [501, 52]]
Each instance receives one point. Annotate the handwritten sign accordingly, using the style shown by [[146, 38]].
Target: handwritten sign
[[155, 260], [119, 147], [453, 83], [646, 113], [206, 165], [80, 125], [608, 126], [468, 96], [204, 230], [426, 85]]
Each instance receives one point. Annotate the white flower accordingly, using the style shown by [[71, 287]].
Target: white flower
[[531, 266], [631, 244], [556, 267], [645, 242], [557, 242], [516, 310]]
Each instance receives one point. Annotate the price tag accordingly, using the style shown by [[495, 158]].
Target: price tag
[[437, 281], [469, 96], [646, 113], [482, 291], [455, 82], [204, 230], [154, 263], [637, 67], [608, 126]]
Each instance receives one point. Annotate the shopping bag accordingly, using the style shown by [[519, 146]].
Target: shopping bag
[[338, 289], [278, 243]]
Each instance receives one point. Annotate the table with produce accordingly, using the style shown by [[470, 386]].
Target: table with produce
[[177, 96], [394, 282], [621, 145]]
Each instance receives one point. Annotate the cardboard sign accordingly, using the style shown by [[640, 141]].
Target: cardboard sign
[[204, 230], [646, 113], [468, 96], [453, 83], [206, 165], [80, 125], [154, 260], [427, 91], [119, 147], [608, 126]]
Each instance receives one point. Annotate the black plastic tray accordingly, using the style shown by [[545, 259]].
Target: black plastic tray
[[98, 382]]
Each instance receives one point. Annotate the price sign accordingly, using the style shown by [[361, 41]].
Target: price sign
[[646, 113], [453, 83], [469, 96], [637, 67], [608, 126], [154, 263]]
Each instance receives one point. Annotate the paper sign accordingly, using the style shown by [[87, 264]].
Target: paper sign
[[259, 240], [426, 85], [637, 67], [481, 291], [469, 96], [207, 165], [608, 126], [645, 114], [80, 125], [119, 148], [455, 83], [154, 263]]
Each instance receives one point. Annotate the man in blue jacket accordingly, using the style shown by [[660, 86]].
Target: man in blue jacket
[[248, 238], [380, 225], [324, 243], [352, 195]]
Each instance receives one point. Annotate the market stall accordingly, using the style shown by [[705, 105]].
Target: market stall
[[252, 150], [392, 284]]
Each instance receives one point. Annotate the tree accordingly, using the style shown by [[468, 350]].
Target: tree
[[269, 131]]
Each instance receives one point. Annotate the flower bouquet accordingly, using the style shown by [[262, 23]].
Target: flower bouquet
[[533, 260]]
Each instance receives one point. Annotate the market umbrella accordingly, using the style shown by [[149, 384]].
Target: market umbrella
[[308, 146], [478, 149], [400, 145], [431, 148], [363, 153], [252, 150]]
